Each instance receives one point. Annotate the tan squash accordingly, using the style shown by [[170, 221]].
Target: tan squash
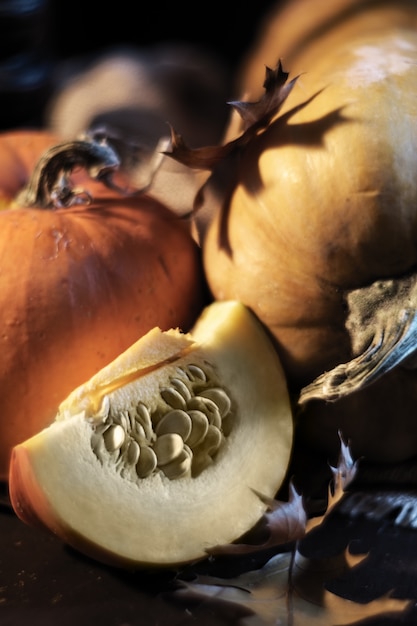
[[311, 208]]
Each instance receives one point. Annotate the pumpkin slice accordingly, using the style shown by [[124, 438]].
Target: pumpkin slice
[[156, 459]]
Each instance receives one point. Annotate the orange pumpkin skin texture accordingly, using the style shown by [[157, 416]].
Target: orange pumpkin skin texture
[[325, 202], [78, 286]]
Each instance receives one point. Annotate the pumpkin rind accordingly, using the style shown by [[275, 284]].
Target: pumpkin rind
[[78, 286], [57, 480]]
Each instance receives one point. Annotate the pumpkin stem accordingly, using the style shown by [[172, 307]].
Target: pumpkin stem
[[382, 323], [50, 185], [139, 162]]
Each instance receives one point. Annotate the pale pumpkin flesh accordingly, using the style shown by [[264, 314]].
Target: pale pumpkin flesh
[[58, 481]]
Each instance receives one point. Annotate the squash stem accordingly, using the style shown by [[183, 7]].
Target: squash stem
[[50, 185], [382, 324]]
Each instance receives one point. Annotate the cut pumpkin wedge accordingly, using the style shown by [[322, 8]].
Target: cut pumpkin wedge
[[156, 459]]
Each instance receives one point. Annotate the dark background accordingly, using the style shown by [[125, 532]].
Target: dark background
[[223, 26], [36, 35]]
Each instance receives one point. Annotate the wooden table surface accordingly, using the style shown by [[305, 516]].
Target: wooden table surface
[[45, 583]]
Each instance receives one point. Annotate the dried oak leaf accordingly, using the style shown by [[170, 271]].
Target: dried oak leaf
[[255, 116], [221, 160], [286, 522], [343, 474], [290, 588]]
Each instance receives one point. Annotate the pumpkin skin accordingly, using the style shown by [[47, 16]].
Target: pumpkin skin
[[78, 286], [325, 202]]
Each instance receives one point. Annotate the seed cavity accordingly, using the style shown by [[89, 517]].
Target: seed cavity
[[179, 437]]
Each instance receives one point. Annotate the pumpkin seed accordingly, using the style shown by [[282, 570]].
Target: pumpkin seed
[[132, 413], [200, 462], [208, 407], [196, 373], [180, 466], [97, 444], [143, 416], [219, 397], [199, 428], [124, 421], [173, 398], [181, 387], [176, 421], [139, 433], [114, 437], [212, 441], [168, 447], [101, 428], [133, 452], [147, 462]]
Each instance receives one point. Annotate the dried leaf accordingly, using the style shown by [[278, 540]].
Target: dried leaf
[[255, 115], [285, 522], [288, 590], [343, 475], [291, 588], [198, 158]]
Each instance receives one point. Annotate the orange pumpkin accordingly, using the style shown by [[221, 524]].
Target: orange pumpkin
[[78, 284], [312, 202]]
